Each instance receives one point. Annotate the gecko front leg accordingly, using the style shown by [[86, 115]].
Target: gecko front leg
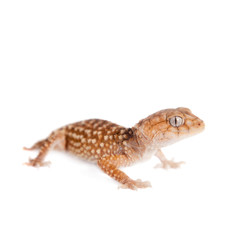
[[110, 168], [165, 163]]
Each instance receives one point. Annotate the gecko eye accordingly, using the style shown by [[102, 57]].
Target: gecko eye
[[176, 121]]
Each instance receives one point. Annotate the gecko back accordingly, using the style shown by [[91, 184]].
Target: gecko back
[[91, 139]]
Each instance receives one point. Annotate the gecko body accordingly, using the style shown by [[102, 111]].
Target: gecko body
[[112, 146]]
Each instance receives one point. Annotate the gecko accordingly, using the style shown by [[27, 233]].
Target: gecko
[[112, 146]]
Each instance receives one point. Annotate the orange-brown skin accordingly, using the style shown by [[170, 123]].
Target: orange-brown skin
[[113, 146]]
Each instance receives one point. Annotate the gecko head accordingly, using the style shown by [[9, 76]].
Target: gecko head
[[170, 125]]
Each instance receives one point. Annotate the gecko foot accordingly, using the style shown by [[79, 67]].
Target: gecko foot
[[134, 185], [36, 163], [169, 164]]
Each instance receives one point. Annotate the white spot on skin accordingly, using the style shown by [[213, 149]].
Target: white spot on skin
[[76, 144], [105, 138], [98, 151], [83, 140], [101, 144], [122, 131], [88, 132], [74, 135], [78, 136], [94, 141], [93, 151]]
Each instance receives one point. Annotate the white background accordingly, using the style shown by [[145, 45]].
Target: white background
[[65, 61]]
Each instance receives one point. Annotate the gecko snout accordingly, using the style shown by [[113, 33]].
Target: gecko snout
[[198, 126]]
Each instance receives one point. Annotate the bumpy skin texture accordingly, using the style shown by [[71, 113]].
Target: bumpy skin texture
[[113, 146]]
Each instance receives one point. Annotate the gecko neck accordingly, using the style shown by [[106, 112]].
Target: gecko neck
[[140, 142]]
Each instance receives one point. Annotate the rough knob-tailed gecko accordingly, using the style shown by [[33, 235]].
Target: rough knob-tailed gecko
[[112, 146]]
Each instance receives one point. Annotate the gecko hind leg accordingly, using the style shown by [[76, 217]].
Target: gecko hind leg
[[111, 169], [56, 139]]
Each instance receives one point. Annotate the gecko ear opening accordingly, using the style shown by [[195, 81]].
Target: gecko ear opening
[[176, 121]]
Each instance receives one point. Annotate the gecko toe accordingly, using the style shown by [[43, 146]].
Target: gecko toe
[[166, 164], [26, 148], [128, 186], [134, 185], [140, 184], [37, 163]]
